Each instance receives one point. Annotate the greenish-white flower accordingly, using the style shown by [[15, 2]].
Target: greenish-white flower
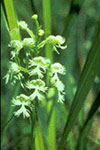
[[54, 70], [39, 88], [38, 66], [13, 73], [58, 68], [29, 42], [24, 103], [60, 88], [55, 41], [14, 67], [23, 25], [60, 97], [17, 45]]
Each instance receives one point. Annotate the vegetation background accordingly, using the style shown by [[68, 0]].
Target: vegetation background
[[77, 21]]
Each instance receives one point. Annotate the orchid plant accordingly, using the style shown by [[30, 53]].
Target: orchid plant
[[34, 67]]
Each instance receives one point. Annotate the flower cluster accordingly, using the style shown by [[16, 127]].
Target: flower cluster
[[35, 68]]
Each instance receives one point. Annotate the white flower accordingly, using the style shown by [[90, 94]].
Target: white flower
[[54, 70], [14, 67], [23, 25], [17, 45], [56, 41], [38, 86], [37, 94], [22, 101], [60, 88], [38, 66], [58, 68], [29, 42], [54, 78], [60, 97], [13, 73]]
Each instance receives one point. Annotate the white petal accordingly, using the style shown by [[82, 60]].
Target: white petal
[[60, 97], [16, 102]]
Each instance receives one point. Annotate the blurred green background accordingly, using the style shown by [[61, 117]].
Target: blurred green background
[[76, 21]]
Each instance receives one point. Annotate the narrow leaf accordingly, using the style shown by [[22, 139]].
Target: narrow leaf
[[82, 140], [39, 143], [42, 118], [11, 19], [90, 70], [51, 128]]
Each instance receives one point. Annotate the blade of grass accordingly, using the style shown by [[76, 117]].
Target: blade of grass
[[71, 141], [82, 140], [14, 33], [90, 70], [39, 143], [11, 19], [51, 128], [10, 113], [13, 30], [42, 118]]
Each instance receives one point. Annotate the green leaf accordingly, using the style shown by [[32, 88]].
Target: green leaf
[[11, 19], [90, 70], [39, 143], [82, 140], [51, 128], [42, 118]]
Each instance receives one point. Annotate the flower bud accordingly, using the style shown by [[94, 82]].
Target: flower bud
[[35, 16], [41, 32]]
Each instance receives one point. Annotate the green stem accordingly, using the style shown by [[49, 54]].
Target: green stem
[[37, 25], [47, 26], [47, 29], [31, 33], [11, 19]]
